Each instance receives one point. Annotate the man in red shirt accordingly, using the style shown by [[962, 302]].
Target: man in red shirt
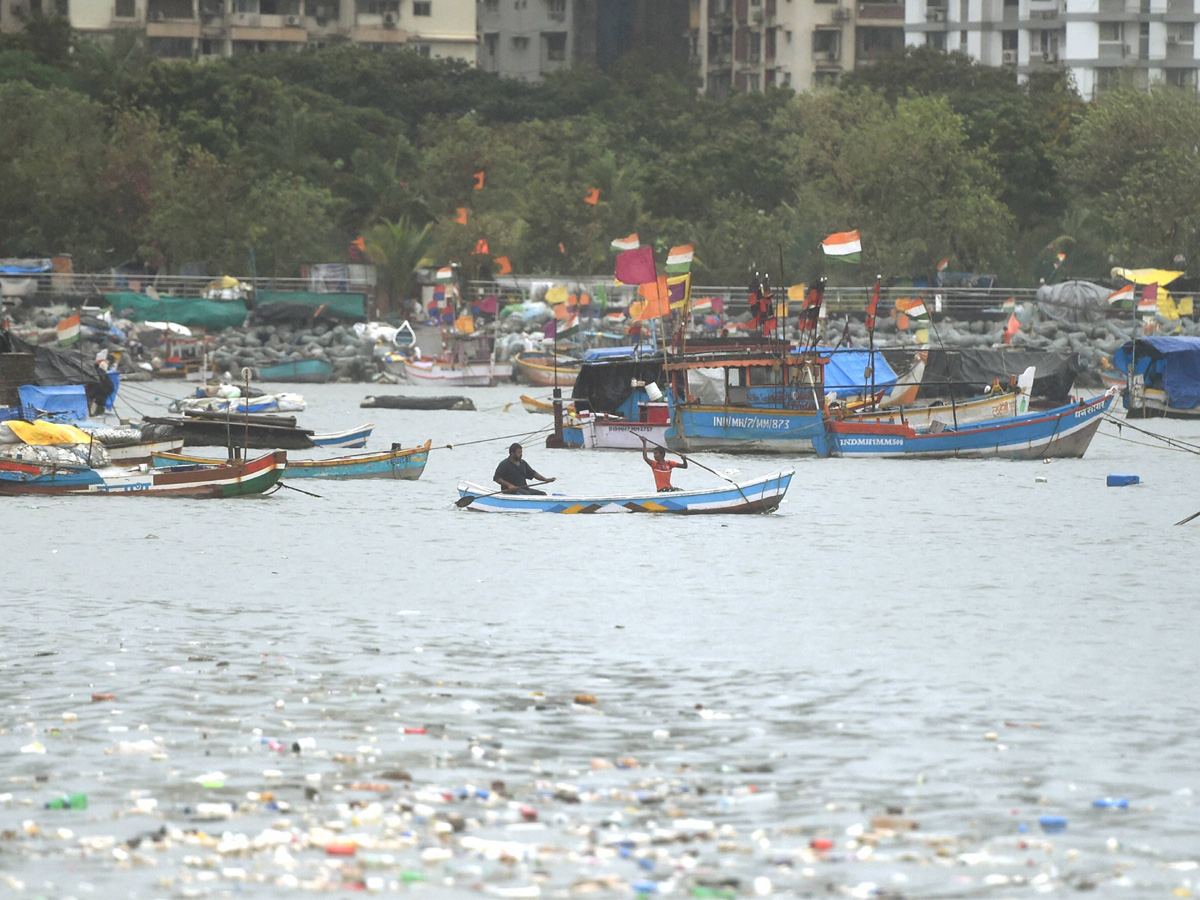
[[662, 467]]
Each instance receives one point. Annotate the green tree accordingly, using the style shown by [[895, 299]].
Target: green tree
[[197, 214], [398, 249], [290, 223], [1135, 163]]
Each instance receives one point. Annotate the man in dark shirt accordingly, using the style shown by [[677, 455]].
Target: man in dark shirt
[[513, 474]]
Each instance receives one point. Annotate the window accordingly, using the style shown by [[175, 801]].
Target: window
[[753, 82], [423, 8], [826, 40], [1184, 78], [964, 10], [491, 6], [936, 40], [520, 43], [556, 46], [63, 8], [825, 79], [557, 8], [126, 9], [491, 42], [1180, 32], [1111, 31], [1008, 40]]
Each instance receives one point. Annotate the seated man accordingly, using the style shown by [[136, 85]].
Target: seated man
[[513, 474]]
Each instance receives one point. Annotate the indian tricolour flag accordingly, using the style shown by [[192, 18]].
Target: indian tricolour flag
[[445, 273], [627, 243], [679, 260], [918, 311], [68, 330], [1148, 301], [1125, 293], [845, 246]]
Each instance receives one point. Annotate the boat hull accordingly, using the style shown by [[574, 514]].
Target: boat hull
[[351, 438], [1064, 432], [241, 479], [537, 369], [757, 496], [402, 465], [399, 401], [472, 374], [136, 454], [978, 409], [591, 433], [743, 429], [305, 371]]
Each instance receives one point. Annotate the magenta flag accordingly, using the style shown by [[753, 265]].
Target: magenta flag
[[636, 266]]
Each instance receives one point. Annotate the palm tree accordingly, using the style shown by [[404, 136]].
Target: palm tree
[[398, 249]]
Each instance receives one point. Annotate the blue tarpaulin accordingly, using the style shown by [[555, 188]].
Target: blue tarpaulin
[[68, 399], [1174, 360], [846, 371]]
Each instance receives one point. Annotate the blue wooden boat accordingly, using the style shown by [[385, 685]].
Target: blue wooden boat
[[405, 465], [1165, 380], [301, 371], [759, 495], [1057, 433], [350, 438]]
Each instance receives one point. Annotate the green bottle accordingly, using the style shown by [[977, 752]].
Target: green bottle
[[68, 801]]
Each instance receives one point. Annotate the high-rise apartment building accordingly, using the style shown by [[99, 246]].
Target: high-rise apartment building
[[749, 45], [529, 39], [1104, 43], [194, 29]]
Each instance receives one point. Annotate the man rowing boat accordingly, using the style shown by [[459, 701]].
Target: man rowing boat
[[661, 466], [513, 474]]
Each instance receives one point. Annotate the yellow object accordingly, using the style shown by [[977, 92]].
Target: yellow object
[[224, 282], [1146, 276], [1184, 305], [796, 292], [465, 324], [921, 336], [43, 432], [557, 294]]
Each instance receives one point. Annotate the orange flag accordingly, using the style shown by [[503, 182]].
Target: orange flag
[[479, 181], [481, 248], [461, 217], [593, 196], [658, 299], [561, 248], [1010, 330], [360, 244], [504, 264]]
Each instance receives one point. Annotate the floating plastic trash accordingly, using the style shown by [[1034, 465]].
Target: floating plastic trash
[[1123, 480], [1111, 803], [1053, 824]]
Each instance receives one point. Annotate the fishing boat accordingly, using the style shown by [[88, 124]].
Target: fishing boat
[[405, 465], [263, 403], [138, 452], [599, 431], [542, 369], [399, 401], [351, 438], [543, 407], [225, 480], [468, 361], [1064, 432], [301, 371], [999, 403], [1163, 377], [759, 495]]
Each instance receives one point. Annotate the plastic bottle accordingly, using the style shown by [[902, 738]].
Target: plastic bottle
[[68, 801]]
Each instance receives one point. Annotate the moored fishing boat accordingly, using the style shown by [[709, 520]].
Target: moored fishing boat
[[350, 438], [543, 407], [1064, 432], [405, 465], [263, 403], [302, 371], [400, 401], [18, 477], [757, 495], [542, 369], [1162, 374]]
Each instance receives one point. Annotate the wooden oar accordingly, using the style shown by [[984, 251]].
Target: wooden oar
[[1188, 519], [464, 502]]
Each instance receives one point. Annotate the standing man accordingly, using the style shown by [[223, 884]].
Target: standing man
[[513, 474], [662, 467]]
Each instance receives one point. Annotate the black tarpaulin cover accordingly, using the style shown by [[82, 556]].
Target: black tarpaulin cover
[[55, 365], [966, 372]]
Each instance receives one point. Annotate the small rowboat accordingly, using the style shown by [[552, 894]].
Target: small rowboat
[[405, 465], [223, 480], [350, 438], [533, 405], [760, 495]]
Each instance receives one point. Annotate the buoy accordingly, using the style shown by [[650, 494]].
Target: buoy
[[1123, 480]]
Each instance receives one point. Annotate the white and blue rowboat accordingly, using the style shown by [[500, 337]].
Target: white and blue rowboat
[[1063, 432], [760, 495], [396, 463], [351, 438]]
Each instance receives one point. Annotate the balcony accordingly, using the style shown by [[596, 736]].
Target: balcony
[[891, 12]]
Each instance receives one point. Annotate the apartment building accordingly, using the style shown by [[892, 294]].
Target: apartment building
[[750, 45], [193, 29], [529, 39], [1104, 43]]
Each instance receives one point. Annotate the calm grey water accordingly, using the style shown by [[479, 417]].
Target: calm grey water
[[951, 642]]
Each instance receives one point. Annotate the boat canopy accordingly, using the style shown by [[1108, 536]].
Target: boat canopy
[[1176, 360], [1161, 277], [846, 371]]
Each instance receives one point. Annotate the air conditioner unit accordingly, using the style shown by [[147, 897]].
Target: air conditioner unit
[[389, 20], [841, 14], [1008, 57], [935, 15], [154, 15], [291, 21]]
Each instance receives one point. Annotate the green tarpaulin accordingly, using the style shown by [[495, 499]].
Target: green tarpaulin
[[345, 306], [193, 312]]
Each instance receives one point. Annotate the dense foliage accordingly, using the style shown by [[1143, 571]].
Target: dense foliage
[[113, 157]]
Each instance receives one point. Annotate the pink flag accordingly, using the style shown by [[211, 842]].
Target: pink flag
[[636, 266]]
